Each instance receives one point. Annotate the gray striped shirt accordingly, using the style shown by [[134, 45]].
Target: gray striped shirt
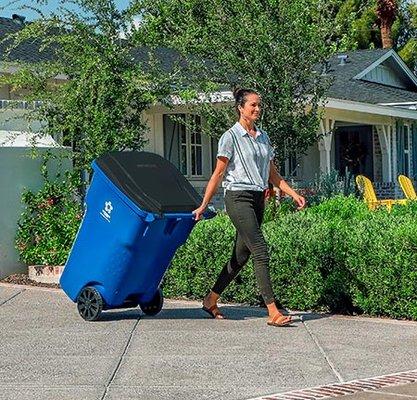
[[249, 157]]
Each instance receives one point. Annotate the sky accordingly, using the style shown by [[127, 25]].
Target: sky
[[7, 7]]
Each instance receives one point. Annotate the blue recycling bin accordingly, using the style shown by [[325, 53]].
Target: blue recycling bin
[[138, 212]]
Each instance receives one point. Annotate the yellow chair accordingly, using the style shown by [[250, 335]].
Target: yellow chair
[[407, 187], [366, 187]]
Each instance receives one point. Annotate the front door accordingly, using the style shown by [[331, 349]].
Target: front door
[[354, 150]]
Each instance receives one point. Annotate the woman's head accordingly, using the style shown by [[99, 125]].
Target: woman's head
[[247, 103]]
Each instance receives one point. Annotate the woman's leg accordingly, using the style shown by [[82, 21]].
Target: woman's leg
[[245, 209], [240, 256], [246, 213]]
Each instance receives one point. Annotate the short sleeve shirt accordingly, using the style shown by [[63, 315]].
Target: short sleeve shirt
[[248, 167]]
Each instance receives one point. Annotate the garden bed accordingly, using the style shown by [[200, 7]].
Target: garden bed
[[23, 279]]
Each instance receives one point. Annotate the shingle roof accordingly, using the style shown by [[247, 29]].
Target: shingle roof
[[30, 51], [27, 51], [345, 87]]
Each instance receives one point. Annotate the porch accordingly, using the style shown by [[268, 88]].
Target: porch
[[364, 142]]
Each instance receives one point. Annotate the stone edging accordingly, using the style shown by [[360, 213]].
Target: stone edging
[[45, 273]]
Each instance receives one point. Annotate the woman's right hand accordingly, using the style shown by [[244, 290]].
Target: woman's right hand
[[198, 212], [212, 185]]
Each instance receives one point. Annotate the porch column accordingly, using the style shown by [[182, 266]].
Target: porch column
[[385, 139], [394, 138], [325, 143]]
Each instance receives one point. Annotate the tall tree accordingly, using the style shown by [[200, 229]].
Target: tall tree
[[386, 11], [272, 46], [355, 25], [364, 24], [104, 88]]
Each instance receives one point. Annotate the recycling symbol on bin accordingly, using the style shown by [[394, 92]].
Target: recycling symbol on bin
[[106, 211]]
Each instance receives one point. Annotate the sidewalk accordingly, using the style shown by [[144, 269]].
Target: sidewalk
[[48, 352]]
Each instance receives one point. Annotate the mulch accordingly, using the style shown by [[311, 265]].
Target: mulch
[[23, 279]]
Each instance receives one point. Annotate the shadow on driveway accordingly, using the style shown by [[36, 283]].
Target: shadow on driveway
[[233, 313]]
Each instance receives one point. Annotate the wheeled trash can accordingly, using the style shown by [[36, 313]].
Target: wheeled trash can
[[138, 212]]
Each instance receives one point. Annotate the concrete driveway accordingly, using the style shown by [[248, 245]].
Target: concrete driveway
[[48, 352]]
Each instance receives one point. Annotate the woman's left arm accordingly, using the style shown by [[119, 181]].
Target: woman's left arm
[[277, 180]]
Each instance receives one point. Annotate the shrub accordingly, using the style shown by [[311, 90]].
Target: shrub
[[49, 223], [336, 255], [382, 257], [274, 209], [327, 185], [297, 243], [199, 261]]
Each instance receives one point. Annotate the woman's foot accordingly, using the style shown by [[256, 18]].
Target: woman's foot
[[279, 320], [210, 306], [276, 318]]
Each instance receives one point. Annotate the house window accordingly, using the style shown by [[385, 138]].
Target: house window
[[404, 149], [413, 134], [183, 144], [407, 152]]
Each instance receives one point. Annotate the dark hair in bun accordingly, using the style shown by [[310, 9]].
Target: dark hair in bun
[[240, 97]]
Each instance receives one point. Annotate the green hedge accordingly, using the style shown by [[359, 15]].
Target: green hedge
[[334, 256]]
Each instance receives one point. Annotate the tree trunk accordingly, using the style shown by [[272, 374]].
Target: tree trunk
[[386, 11], [386, 35]]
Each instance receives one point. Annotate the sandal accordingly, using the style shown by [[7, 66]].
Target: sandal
[[214, 312], [280, 320]]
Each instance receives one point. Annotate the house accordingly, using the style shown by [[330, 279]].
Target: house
[[370, 120], [369, 123], [369, 126]]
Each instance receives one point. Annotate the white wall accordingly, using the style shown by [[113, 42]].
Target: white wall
[[14, 120], [4, 92], [17, 172]]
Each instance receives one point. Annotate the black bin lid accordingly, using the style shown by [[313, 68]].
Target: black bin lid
[[150, 181]]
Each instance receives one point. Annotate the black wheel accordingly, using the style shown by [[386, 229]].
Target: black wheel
[[90, 303], [154, 306]]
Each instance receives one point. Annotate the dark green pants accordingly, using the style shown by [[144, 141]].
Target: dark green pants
[[246, 208]]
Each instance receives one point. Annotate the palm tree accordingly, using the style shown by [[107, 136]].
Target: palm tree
[[387, 12]]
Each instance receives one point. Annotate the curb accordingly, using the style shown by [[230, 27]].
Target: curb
[[29, 287], [346, 388]]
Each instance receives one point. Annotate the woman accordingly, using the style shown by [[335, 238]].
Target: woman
[[245, 161]]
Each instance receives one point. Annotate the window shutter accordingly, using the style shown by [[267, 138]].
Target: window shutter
[[214, 143], [171, 140]]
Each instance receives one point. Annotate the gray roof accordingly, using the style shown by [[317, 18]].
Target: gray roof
[[27, 51], [30, 51], [344, 87]]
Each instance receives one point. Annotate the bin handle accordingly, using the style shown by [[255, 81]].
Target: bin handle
[[209, 213], [179, 215]]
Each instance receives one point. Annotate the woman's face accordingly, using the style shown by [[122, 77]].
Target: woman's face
[[251, 110]]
